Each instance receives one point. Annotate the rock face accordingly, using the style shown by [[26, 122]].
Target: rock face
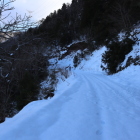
[[75, 47]]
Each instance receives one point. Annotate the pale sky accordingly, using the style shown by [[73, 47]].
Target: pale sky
[[38, 9]]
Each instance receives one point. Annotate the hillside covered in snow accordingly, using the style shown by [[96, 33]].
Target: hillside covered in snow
[[88, 105], [73, 75]]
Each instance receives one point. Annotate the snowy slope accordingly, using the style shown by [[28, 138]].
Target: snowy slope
[[90, 63], [94, 62], [133, 54], [89, 105]]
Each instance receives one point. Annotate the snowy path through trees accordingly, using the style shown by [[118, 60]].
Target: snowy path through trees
[[92, 107]]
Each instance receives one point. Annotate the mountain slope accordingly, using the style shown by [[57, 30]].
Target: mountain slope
[[88, 105], [98, 108]]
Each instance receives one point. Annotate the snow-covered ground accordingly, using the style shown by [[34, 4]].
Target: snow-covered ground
[[89, 105]]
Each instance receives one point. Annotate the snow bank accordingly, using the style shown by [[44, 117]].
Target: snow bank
[[134, 53], [93, 63], [131, 76]]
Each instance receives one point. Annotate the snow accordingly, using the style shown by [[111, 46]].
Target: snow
[[134, 53], [90, 63], [93, 63], [89, 105]]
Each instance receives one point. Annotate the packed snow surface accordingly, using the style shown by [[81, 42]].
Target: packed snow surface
[[89, 105]]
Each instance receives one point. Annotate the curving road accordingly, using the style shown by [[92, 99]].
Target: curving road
[[94, 107]]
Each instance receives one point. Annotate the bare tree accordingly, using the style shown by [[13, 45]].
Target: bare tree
[[12, 61], [10, 25], [121, 15]]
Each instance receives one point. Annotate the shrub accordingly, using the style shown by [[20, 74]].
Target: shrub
[[76, 61], [115, 54]]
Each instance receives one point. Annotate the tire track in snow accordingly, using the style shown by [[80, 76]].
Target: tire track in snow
[[128, 102], [95, 100], [118, 112]]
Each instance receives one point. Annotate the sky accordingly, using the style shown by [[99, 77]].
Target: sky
[[38, 9]]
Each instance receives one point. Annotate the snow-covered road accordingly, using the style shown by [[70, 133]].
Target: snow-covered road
[[117, 109], [92, 107]]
